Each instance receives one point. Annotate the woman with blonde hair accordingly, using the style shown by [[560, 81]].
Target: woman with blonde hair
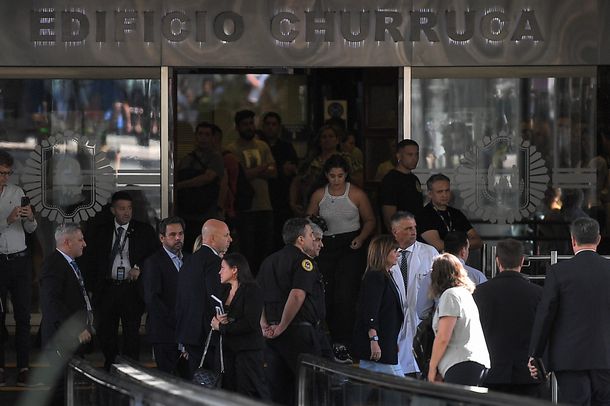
[[459, 352], [379, 313]]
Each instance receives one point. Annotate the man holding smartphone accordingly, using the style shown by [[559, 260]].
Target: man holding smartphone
[[16, 218]]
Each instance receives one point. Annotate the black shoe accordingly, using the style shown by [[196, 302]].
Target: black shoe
[[24, 379], [341, 355]]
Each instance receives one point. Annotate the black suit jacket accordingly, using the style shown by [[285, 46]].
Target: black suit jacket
[[507, 308], [573, 318], [379, 307], [60, 300], [96, 262], [197, 280], [160, 283], [244, 329]]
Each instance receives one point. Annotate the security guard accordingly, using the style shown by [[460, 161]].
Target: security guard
[[294, 308]]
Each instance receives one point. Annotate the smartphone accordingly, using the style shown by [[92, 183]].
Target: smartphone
[[542, 374], [25, 201]]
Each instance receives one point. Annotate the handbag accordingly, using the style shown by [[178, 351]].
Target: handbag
[[206, 377], [422, 343]]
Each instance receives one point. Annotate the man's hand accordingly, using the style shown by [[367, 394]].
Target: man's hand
[[26, 211], [133, 274], [277, 330], [532, 368], [84, 337]]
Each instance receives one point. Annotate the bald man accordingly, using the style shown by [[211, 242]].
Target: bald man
[[197, 280]]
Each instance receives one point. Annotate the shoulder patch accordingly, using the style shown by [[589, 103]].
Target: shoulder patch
[[307, 265]]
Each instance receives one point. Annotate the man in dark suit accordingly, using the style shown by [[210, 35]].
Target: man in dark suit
[[197, 281], [116, 249], [574, 321], [160, 281], [66, 309], [507, 307]]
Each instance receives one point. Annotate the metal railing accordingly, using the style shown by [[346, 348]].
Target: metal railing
[[322, 382]]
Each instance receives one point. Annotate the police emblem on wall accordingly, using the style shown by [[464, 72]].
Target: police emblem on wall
[[502, 179], [67, 178]]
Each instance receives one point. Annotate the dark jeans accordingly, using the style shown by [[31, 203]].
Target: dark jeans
[[466, 373], [256, 236], [166, 357], [342, 269], [119, 303], [589, 387], [16, 279]]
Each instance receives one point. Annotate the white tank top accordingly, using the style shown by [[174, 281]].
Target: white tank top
[[340, 213]]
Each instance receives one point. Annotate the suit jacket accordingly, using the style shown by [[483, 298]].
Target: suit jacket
[[197, 280], [244, 329], [60, 300], [507, 308], [379, 307], [573, 317], [160, 283], [420, 265], [96, 262]]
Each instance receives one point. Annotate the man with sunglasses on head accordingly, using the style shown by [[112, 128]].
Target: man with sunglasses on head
[[16, 218]]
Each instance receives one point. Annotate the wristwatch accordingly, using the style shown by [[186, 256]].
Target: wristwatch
[[374, 338]]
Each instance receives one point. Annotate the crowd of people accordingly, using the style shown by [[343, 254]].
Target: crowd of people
[[335, 289]]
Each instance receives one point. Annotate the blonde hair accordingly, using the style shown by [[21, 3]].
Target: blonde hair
[[448, 272], [197, 243], [379, 248]]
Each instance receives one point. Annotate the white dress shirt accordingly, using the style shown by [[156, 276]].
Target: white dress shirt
[[124, 259], [12, 236]]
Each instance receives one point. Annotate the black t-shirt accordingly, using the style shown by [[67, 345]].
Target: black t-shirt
[[402, 190], [442, 221], [282, 152], [287, 269]]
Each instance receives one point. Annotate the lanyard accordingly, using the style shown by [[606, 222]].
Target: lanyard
[[449, 226]]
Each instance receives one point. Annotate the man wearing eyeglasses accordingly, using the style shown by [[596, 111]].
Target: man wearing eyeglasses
[[16, 218]]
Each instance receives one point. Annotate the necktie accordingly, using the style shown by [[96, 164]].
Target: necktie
[[404, 267], [83, 291], [177, 262], [117, 244]]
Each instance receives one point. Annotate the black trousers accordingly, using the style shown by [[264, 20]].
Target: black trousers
[[532, 390], [166, 356], [244, 373], [119, 303], [281, 357], [16, 279], [466, 373], [342, 269], [589, 387], [255, 230]]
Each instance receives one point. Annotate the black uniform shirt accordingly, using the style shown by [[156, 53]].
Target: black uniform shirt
[[402, 190], [445, 221], [287, 269]]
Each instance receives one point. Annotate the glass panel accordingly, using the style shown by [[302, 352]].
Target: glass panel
[[518, 151], [75, 142]]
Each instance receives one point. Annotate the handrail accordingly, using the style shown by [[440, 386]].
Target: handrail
[[457, 393], [148, 378]]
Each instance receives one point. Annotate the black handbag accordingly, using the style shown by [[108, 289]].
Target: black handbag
[[207, 377], [422, 344]]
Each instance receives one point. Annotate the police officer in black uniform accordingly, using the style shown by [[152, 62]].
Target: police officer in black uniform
[[294, 308]]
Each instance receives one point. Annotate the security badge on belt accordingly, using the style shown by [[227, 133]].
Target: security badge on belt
[[307, 265]]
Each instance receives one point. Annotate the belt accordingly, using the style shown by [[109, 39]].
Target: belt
[[116, 282], [10, 257], [306, 323]]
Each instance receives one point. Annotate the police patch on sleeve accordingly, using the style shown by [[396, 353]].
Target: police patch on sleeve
[[307, 265]]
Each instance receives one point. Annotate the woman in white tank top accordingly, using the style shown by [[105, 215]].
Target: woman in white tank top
[[351, 221]]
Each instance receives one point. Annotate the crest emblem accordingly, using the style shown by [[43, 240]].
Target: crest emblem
[[502, 179], [307, 265], [67, 178]]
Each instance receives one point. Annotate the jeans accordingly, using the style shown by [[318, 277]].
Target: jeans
[[382, 368]]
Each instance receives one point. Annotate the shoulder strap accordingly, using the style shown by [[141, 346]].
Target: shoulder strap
[[205, 352]]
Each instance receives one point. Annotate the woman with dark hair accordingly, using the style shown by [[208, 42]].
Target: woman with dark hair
[[379, 314], [305, 183], [351, 221], [240, 328], [459, 352]]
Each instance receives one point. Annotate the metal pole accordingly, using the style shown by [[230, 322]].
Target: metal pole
[[494, 269], [165, 141], [484, 259], [553, 378]]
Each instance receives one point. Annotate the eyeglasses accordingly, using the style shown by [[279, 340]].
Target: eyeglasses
[[9, 173]]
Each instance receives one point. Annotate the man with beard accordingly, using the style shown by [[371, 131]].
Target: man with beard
[[160, 280], [256, 224]]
